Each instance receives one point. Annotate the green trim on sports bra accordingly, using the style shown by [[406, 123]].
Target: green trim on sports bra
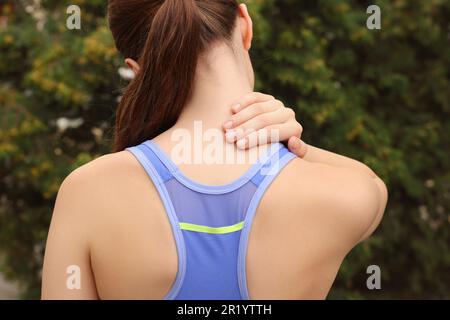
[[211, 230]]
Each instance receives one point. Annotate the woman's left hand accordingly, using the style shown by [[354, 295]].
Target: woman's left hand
[[259, 119]]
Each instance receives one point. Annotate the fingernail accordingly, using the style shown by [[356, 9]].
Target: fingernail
[[244, 133], [240, 133], [228, 124], [241, 144], [230, 136], [236, 107]]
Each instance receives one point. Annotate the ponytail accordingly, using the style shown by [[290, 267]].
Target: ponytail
[[166, 38]]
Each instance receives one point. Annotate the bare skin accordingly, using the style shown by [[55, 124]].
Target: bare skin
[[109, 220]]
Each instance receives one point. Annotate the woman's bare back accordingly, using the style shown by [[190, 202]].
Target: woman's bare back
[[109, 220]]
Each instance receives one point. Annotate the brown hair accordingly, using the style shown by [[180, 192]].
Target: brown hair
[[166, 37]]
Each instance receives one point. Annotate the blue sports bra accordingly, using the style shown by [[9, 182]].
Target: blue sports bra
[[210, 224]]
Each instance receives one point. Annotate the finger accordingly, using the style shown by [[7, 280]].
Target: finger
[[271, 134], [253, 111], [259, 122], [297, 147], [257, 138], [250, 99]]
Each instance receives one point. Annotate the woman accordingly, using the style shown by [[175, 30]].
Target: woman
[[135, 225]]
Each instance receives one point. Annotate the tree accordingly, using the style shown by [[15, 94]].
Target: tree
[[381, 96]]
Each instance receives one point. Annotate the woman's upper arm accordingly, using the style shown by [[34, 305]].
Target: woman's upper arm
[[360, 203], [348, 202], [67, 270], [382, 202]]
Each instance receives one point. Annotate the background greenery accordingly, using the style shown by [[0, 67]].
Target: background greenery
[[381, 96]]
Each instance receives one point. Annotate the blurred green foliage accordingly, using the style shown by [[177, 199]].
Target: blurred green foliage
[[380, 96]]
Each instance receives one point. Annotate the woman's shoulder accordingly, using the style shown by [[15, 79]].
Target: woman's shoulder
[[343, 201], [98, 174], [109, 182], [105, 166]]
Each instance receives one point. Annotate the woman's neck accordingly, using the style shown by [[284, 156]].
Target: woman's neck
[[219, 83]]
